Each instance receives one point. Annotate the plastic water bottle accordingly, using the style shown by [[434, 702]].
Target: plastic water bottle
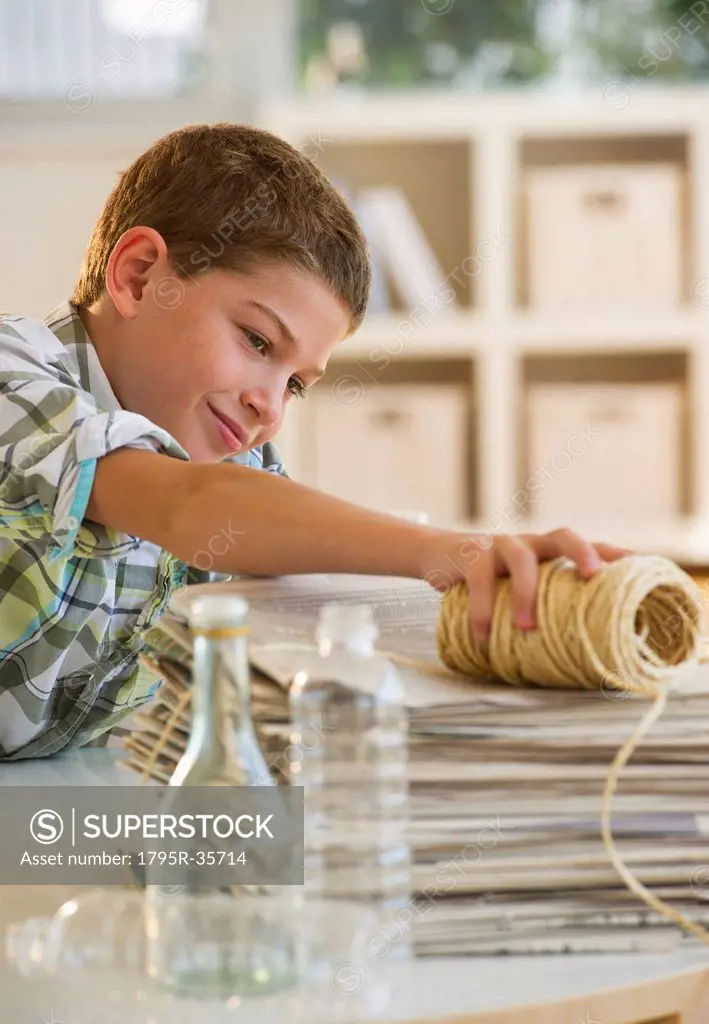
[[349, 702]]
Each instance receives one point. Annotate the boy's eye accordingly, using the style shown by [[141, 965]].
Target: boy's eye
[[259, 343], [297, 388]]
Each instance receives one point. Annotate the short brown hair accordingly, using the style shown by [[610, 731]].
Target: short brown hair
[[233, 196]]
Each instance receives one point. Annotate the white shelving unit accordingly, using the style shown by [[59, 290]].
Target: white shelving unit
[[462, 161]]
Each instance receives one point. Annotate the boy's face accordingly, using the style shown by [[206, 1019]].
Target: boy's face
[[216, 360]]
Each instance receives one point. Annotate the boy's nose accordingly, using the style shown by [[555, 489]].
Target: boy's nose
[[265, 404]]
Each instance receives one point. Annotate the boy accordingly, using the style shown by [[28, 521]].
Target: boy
[[136, 424]]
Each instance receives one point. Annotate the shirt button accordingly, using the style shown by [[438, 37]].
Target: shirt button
[[72, 522]]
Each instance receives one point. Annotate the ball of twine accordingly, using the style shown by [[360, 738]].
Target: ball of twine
[[637, 624]]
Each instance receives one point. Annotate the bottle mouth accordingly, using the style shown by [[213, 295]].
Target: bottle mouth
[[216, 611]]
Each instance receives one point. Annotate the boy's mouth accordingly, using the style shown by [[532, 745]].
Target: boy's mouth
[[230, 432]]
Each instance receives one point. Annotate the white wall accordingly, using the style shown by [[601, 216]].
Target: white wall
[[47, 211]]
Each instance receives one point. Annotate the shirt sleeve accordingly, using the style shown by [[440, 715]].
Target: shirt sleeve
[[265, 456], [51, 436]]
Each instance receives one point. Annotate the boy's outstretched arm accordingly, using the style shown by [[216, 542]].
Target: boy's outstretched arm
[[267, 525], [263, 524]]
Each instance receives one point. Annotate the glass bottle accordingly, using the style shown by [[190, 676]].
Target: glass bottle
[[222, 749], [190, 950], [355, 775]]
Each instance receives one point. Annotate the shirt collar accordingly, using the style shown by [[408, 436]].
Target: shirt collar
[[82, 358]]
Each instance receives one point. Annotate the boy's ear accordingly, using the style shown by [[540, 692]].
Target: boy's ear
[[139, 257]]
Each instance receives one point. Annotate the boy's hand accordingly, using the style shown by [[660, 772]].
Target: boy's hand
[[478, 559]]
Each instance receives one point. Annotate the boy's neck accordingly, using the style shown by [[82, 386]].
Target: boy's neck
[[101, 332]]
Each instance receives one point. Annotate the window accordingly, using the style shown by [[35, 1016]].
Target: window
[[81, 51]]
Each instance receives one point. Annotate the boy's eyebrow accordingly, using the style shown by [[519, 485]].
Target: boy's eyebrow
[[283, 329], [282, 326]]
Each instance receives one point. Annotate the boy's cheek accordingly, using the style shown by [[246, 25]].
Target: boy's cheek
[[267, 435]]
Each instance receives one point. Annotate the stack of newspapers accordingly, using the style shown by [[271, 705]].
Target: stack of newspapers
[[506, 783]]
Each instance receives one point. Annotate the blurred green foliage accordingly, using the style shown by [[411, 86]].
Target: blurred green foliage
[[667, 40], [493, 43], [402, 38]]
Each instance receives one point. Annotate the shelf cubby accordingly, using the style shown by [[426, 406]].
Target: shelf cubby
[[622, 420], [435, 178], [572, 190], [408, 427]]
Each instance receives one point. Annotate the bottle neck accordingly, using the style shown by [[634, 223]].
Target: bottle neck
[[221, 696]]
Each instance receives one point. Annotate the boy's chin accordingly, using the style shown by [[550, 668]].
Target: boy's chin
[[201, 453]]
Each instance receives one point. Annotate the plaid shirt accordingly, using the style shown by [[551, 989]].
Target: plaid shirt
[[75, 598]]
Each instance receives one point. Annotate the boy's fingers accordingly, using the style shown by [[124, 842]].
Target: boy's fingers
[[567, 544], [481, 594], [611, 553], [521, 562], [519, 556]]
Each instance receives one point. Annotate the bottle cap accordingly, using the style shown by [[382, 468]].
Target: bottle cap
[[217, 611], [340, 622]]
